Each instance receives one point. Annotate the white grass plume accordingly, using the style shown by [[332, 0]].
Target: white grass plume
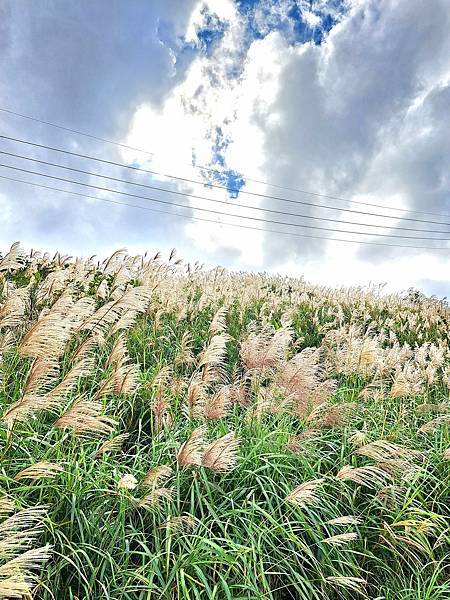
[[305, 493], [84, 418], [190, 452], [40, 470], [221, 454]]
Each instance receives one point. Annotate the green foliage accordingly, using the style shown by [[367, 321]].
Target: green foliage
[[246, 541]]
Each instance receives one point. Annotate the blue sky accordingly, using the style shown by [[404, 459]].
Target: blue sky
[[347, 98]]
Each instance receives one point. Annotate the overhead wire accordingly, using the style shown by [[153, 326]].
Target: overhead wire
[[202, 209], [217, 201], [217, 171], [222, 223]]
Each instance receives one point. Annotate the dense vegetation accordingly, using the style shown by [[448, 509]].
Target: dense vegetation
[[169, 432]]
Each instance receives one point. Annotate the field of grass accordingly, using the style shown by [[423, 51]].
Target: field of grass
[[169, 432]]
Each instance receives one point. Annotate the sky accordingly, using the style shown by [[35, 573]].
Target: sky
[[250, 104]]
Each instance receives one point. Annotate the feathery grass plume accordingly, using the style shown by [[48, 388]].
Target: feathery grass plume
[[135, 299], [370, 476], [27, 561], [358, 439], [383, 450], [345, 520], [113, 445], [6, 506], [262, 351], [20, 530], [300, 380], [49, 288], [355, 584], [333, 416], [350, 351], [341, 539], [220, 455], [83, 368], [219, 321], [161, 378], [127, 482], [14, 309], [190, 452], [434, 424], [27, 406], [211, 361], [15, 586], [407, 382], [113, 263], [50, 334], [6, 342], [126, 379], [155, 475], [397, 467], [297, 443], [153, 499], [194, 405], [84, 418], [182, 523], [218, 405], [177, 386], [446, 455], [315, 415], [427, 408], [185, 355], [102, 291], [13, 260], [43, 374], [239, 394], [269, 400], [126, 321], [373, 391], [119, 352], [39, 470], [160, 406], [305, 493]]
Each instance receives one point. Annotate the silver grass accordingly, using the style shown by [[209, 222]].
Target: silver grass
[[156, 475], [305, 493], [345, 520], [190, 452], [84, 419], [355, 584], [370, 476], [39, 470], [112, 445], [341, 539], [221, 454]]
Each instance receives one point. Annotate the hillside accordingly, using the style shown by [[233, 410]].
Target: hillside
[[173, 432]]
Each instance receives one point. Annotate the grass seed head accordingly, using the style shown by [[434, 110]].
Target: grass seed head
[[190, 452], [221, 454], [40, 470], [305, 493]]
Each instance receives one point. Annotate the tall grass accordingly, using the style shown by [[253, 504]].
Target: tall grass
[[175, 433]]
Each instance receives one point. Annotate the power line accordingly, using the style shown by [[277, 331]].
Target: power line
[[186, 194], [160, 201], [221, 173], [222, 223]]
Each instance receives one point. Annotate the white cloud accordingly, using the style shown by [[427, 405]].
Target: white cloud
[[363, 116]]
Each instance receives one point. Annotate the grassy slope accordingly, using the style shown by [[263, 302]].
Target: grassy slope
[[247, 541]]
